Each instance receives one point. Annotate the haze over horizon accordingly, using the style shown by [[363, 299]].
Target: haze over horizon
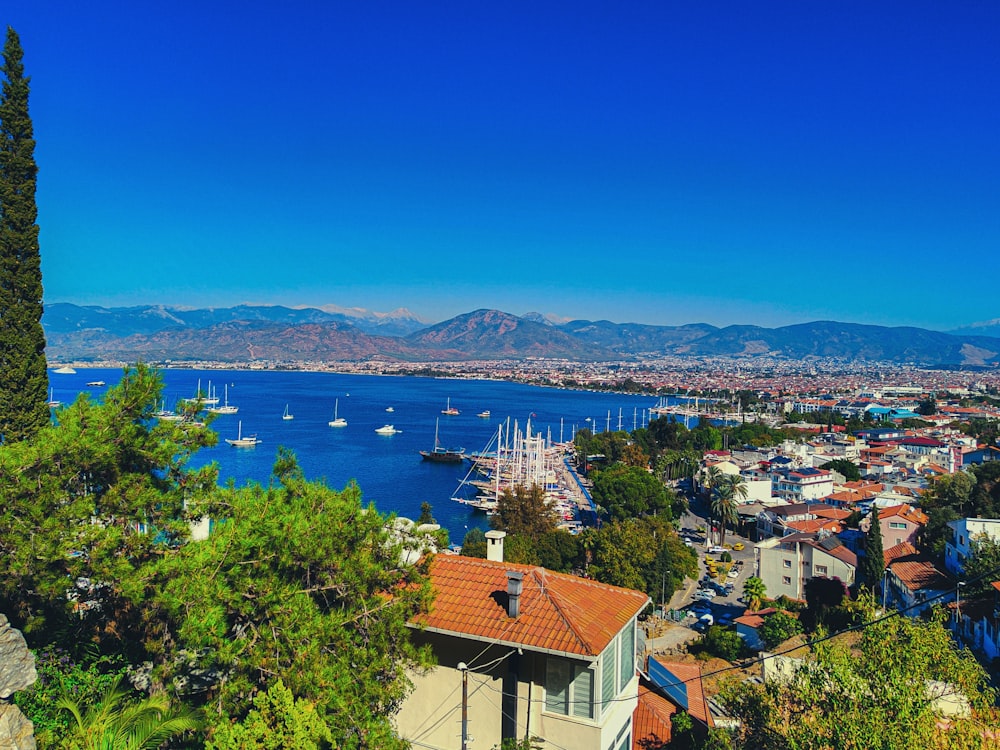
[[660, 163]]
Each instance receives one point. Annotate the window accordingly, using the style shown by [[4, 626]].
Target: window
[[897, 525], [821, 570], [787, 563], [569, 688], [786, 580], [628, 655], [609, 672]]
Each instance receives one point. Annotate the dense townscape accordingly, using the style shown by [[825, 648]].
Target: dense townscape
[[781, 553]]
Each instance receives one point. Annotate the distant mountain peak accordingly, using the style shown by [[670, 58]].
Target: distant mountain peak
[[550, 319]]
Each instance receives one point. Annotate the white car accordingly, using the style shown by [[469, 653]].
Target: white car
[[733, 573], [716, 550]]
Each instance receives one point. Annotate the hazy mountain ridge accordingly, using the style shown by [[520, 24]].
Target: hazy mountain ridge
[[260, 332]]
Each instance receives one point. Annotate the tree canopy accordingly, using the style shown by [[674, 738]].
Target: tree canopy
[[630, 492], [878, 693]]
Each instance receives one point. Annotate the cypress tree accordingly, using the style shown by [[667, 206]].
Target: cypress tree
[[873, 563], [23, 377]]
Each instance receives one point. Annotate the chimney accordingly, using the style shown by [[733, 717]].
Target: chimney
[[494, 545], [515, 584]]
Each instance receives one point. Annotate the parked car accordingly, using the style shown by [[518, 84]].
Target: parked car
[[726, 620], [730, 588], [738, 546], [718, 588], [716, 550], [704, 623], [704, 594], [700, 608]]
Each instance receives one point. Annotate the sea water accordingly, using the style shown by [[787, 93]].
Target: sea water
[[388, 469]]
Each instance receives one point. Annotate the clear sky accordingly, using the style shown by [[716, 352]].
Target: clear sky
[[656, 162]]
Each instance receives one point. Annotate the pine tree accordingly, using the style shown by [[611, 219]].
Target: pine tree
[[23, 378]]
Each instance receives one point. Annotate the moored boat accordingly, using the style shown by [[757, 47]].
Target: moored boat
[[387, 429], [442, 455], [250, 441], [450, 410]]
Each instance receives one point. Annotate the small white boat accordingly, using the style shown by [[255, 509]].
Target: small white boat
[[249, 441], [225, 408], [52, 399], [95, 384], [485, 414], [450, 410], [167, 415], [337, 421], [65, 370], [390, 409], [285, 415], [387, 430]]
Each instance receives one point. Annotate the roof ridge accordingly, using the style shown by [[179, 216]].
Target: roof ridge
[[541, 573]]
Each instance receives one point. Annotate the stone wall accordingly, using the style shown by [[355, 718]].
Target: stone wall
[[17, 672]]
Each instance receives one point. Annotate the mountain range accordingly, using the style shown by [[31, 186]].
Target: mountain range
[[265, 332]]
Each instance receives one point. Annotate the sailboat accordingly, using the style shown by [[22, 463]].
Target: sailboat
[[167, 415], [52, 399], [450, 410], [337, 421], [250, 441], [443, 455], [285, 415], [225, 408]]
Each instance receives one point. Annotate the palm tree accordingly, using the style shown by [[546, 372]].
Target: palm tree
[[754, 592], [712, 476], [115, 723], [725, 495]]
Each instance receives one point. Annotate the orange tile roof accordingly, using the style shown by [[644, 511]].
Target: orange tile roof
[[904, 549], [918, 574], [906, 512], [651, 719], [691, 676], [559, 612]]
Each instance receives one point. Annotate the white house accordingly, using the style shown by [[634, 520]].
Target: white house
[[786, 564], [537, 653], [963, 532]]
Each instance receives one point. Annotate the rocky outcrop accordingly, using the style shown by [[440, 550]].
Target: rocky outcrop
[[17, 672]]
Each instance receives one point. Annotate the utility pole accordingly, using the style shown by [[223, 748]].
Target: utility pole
[[464, 669]]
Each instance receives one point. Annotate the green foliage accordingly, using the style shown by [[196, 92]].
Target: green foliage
[[927, 407], [124, 722], [877, 695], [630, 492], [524, 511], [824, 597], [727, 491], [110, 462], [303, 584], [983, 564], [725, 557], [872, 563], [426, 514], [644, 554], [722, 642], [24, 407], [59, 675], [558, 550], [777, 628], [754, 592], [474, 543], [278, 720], [520, 549], [848, 469], [527, 743]]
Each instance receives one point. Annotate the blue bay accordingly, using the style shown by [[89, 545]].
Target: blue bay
[[388, 469]]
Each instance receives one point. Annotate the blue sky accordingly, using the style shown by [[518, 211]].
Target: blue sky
[[660, 162]]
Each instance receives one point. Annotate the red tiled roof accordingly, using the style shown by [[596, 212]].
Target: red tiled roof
[[558, 612], [904, 549], [904, 511], [651, 719], [920, 574], [691, 676]]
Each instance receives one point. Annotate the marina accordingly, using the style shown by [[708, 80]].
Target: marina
[[388, 468]]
